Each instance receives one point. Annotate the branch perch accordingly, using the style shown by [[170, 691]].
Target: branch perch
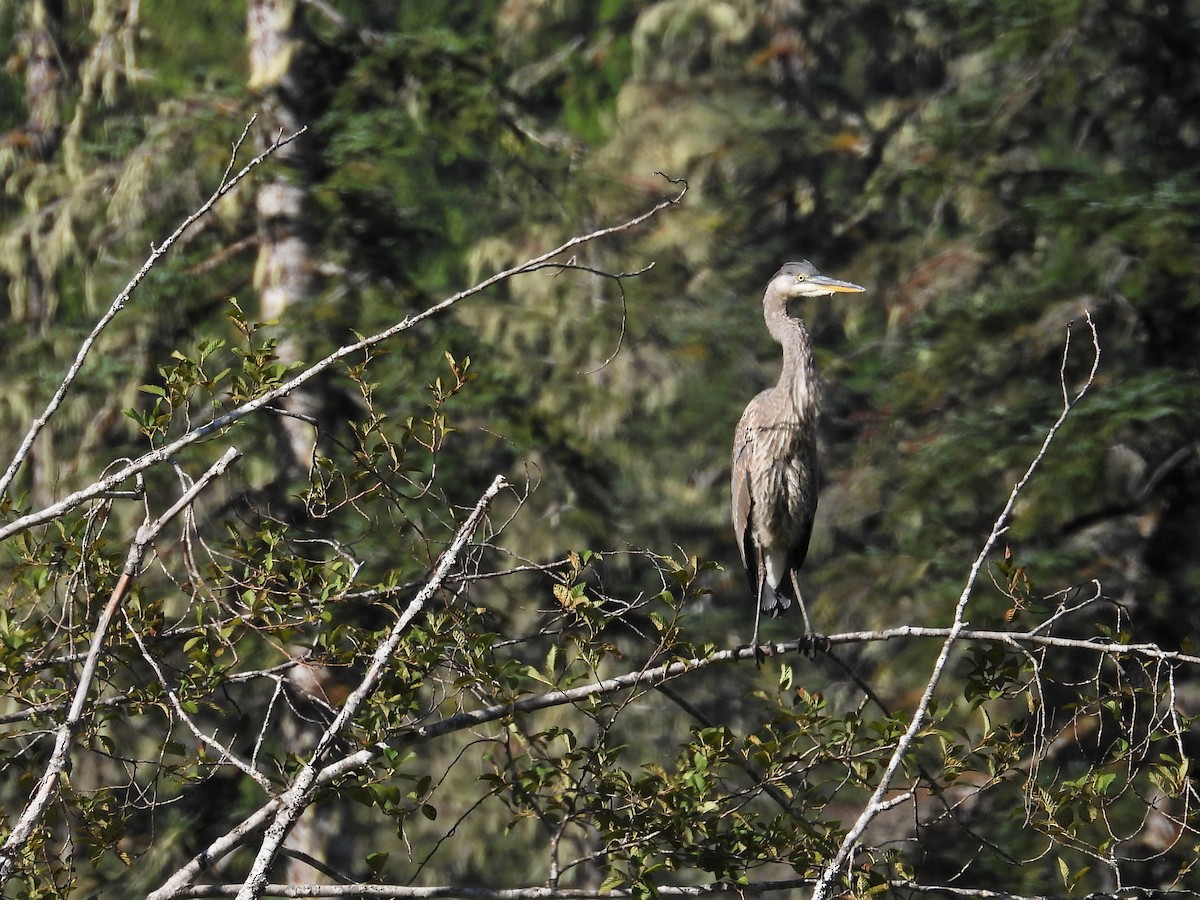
[[297, 799], [877, 803], [66, 733]]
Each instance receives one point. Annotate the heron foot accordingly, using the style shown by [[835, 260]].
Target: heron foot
[[761, 652], [812, 644]]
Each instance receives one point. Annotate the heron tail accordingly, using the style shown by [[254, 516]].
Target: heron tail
[[774, 600]]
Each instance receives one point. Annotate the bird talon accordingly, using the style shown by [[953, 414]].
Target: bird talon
[[812, 644], [761, 651]]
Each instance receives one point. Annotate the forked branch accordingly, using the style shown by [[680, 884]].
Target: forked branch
[[227, 184], [877, 803], [66, 733], [214, 426], [298, 798]]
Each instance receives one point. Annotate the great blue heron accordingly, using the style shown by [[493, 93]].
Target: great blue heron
[[774, 482]]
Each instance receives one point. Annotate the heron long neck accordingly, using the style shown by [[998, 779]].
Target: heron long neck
[[798, 379]]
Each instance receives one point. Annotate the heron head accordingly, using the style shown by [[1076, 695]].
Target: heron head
[[801, 279]]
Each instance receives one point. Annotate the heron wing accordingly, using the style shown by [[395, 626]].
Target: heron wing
[[808, 489], [779, 469], [800, 549], [740, 495]]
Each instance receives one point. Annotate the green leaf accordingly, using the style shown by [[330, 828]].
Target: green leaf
[[614, 880]]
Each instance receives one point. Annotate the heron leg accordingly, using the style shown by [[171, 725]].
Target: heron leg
[[808, 629], [814, 640], [759, 656]]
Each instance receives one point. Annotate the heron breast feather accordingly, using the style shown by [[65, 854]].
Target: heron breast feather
[[786, 500]]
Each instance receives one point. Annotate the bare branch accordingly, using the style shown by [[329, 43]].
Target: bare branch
[[224, 421], [618, 277], [1014, 639], [67, 731], [447, 892], [300, 795], [876, 803], [156, 253], [450, 892]]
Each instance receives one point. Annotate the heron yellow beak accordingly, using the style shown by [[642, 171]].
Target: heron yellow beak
[[834, 286]]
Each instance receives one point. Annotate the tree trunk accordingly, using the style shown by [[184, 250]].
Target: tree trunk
[[283, 274]]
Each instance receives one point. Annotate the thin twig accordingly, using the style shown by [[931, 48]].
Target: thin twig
[[875, 804], [299, 796], [66, 733], [156, 253], [201, 432], [618, 277], [448, 892], [226, 754]]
